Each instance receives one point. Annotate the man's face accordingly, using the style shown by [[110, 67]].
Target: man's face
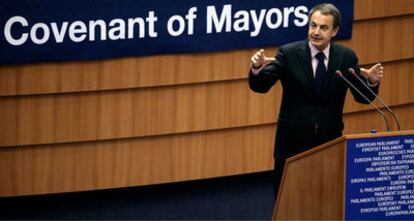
[[321, 30]]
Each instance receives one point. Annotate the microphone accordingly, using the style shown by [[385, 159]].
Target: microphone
[[352, 71], [339, 73]]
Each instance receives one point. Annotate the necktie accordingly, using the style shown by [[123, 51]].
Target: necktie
[[320, 73]]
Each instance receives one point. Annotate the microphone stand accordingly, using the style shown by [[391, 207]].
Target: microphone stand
[[339, 73], [352, 71]]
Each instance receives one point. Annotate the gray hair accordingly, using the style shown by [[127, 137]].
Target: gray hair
[[328, 9]]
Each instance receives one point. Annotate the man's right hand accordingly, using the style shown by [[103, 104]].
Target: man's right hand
[[260, 60]]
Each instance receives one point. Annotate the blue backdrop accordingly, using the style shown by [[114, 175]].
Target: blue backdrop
[[38, 31]]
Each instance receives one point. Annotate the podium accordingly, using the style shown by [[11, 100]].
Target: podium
[[364, 176]]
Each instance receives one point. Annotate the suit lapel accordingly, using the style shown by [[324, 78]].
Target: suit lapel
[[306, 63], [330, 75]]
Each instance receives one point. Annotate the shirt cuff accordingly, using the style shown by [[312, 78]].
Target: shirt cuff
[[372, 85], [255, 71]]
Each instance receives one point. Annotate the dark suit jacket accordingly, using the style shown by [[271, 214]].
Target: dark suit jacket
[[301, 110]]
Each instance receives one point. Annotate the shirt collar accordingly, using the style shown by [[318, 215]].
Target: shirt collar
[[314, 50]]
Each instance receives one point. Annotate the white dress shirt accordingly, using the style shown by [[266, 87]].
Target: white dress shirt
[[315, 61]]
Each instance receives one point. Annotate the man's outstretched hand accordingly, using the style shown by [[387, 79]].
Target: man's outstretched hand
[[260, 60], [374, 74]]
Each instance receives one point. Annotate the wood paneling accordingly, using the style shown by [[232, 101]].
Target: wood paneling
[[383, 40], [394, 88], [368, 9], [313, 184], [123, 73], [131, 113], [161, 159], [132, 162], [365, 121], [166, 110]]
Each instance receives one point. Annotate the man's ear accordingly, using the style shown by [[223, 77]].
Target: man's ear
[[335, 31]]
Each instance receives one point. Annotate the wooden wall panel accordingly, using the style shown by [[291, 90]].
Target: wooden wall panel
[[132, 162], [394, 89], [166, 110], [124, 73], [131, 113], [369, 9], [161, 159], [86, 125], [387, 39], [364, 121]]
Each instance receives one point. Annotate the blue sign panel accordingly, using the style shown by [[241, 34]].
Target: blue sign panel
[[35, 31], [380, 178]]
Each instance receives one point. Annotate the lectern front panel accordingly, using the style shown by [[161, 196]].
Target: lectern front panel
[[380, 178]]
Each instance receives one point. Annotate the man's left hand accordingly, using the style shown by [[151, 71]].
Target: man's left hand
[[374, 74]]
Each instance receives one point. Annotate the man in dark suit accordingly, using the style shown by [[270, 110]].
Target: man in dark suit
[[313, 95]]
